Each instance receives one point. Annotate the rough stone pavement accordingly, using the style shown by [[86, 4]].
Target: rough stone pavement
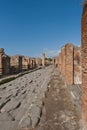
[[60, 112], [21, 100]]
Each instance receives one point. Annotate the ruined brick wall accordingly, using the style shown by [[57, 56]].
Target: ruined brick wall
[[69, 64], [4, 63], [43, 59], [84, 63], [38, 62], [59, 61], [25, 65], [63, 60], [1, 70], [54, 62], [77, 65], [16, 64], [32, 63]]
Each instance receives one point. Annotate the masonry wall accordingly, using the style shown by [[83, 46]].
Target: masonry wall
[[1, 70], [59, 61], [38, 61], [84, 63], [25, 64], [63, 60], [31, 63], [69, 64], [16, 64], [77, 65], [43, 59], [34, 62], [54, 62], [4, 63]]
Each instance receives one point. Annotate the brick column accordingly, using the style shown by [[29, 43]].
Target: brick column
[[1, 62], [53, 61], [59, 61], [77, 65], [84, 63], [69, 64], [1, 69], [43, 59], [63, 60]]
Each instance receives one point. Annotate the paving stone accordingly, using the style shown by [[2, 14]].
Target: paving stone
[[3, 102], [24, 98], [8, 125], [11, 105], [6, 117], [25, 122]]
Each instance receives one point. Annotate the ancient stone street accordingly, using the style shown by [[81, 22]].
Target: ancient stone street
[[21, 100], [40, 100]]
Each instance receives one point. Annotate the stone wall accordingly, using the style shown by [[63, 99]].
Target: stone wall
[[59, 61], [43, 59], [16, 64], [25, 63], [32, 63], [77, 65], [69, 63], [63, 60], [84, 63], [55, 61], [4, 63], [38, 62]]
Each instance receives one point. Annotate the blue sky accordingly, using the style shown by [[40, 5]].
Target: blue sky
[[30, 27]]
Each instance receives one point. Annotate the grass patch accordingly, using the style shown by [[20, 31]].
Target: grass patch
[[7, 80]]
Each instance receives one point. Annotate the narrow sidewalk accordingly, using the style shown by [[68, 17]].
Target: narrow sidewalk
[[59, 111]]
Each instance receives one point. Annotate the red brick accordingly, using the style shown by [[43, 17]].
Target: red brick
[[69, 64], [63, 60], [84, 63], [77, 65], [59, 61], [43, 59]]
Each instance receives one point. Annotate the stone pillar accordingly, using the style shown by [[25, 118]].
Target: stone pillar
[[37, 61], [1, 70], [77, 65], [43, 59], [31, 63], [1, 64], [24, 63], [69, 64], [16, 64], [59, 61], [53, 61], [63, 60], [84, 63]]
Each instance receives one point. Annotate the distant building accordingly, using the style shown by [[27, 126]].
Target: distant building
[[4, 63]]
